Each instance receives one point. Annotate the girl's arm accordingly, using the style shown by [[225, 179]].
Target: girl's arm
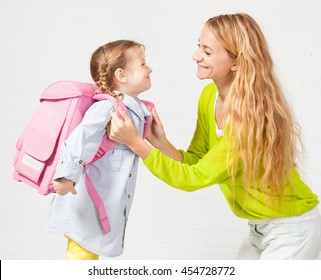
[[81, 146]]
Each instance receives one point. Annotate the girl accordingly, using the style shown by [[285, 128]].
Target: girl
[[245, 141], [119, 69]]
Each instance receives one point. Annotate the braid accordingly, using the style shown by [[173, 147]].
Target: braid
[[102, 82], [103, 85]]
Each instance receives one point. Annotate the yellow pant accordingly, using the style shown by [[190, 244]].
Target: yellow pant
[[76, 252]]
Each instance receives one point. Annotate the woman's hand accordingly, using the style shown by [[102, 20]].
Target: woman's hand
[[121, 128], [156, 135], [63, 186]]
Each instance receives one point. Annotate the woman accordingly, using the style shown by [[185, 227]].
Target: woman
[[245, 141]]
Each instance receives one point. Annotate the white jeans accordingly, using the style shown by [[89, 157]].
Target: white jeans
[[292, 238]]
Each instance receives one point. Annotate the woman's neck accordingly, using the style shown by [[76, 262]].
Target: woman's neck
[[223, 87], [222, 92]]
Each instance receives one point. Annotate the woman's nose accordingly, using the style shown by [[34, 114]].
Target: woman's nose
[[196, 56]]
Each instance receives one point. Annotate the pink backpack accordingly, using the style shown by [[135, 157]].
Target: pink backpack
[[62, 107]]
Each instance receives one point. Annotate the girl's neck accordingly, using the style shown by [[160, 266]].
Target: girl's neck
[[125, 91]]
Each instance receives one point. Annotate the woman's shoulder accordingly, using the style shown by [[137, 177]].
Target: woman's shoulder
[[208, 93], [210, 87]]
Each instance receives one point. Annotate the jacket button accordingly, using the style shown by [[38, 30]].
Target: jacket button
[[80, 162], [129, 196], [130, 174]]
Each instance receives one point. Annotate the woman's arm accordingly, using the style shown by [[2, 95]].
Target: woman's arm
[[210, 169]]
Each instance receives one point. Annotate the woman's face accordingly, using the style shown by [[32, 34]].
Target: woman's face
[[213, 61]]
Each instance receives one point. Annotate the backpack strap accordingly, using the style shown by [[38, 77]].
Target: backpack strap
[[95, 197], [114, 101], [149, 105], [106, 145]]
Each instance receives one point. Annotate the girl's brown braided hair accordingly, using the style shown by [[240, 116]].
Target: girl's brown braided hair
[[106, 60]]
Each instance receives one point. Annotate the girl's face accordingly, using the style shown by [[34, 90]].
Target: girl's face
[[212, 59], [137, 72]]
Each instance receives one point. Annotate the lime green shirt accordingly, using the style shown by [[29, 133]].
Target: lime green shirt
[[204, 164]]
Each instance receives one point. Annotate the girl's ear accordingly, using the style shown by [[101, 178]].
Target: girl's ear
[[120, 75]]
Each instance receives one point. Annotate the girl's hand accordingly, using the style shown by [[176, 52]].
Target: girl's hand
[[156, 135], [63, 186]]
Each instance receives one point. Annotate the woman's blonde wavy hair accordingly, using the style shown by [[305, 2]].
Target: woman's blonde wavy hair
[[106, 60], [263, 133]]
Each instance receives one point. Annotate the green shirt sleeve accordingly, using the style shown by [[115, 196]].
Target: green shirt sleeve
[[209, 170]]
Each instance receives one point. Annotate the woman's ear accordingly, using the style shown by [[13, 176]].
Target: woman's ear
[[234, 67], [120, 75]]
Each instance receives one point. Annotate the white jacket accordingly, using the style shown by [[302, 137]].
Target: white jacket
[[114, 176]]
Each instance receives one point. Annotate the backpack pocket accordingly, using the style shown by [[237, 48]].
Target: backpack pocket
[[40, 140]]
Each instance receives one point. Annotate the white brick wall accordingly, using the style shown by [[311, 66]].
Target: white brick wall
[[43, 41]]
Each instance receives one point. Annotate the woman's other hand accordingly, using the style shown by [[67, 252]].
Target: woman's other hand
[[156, 135]]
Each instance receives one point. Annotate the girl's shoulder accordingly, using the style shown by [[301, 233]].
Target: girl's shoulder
[[100, 107]]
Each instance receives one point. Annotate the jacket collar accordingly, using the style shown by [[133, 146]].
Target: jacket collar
[[136, 106]]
